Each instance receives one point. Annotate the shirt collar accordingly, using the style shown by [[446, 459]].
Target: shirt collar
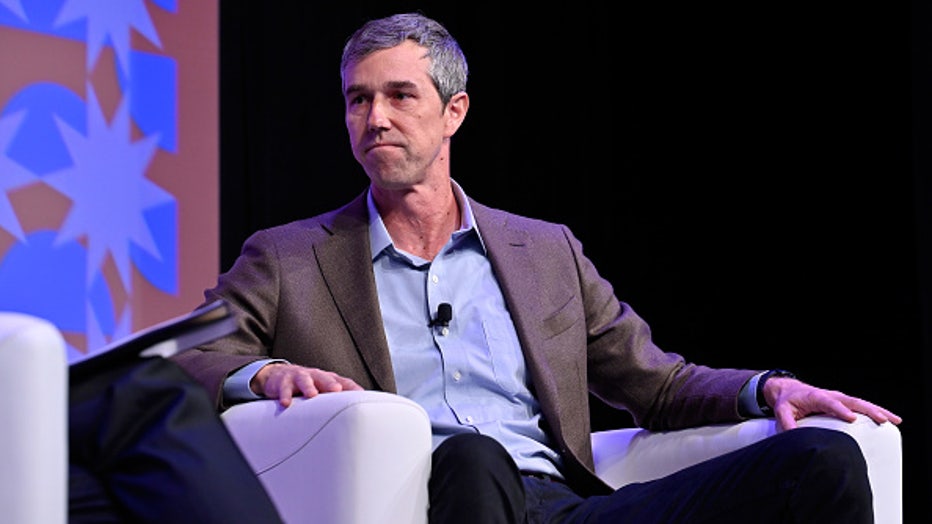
[[379, 239]]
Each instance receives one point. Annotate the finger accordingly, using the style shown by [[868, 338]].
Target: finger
[[893, 417], [786, 417], [875, 412], [323, 381], [836, 406], [349, 384], [332, 382], [283, 386], [306, 385], [284, 399]]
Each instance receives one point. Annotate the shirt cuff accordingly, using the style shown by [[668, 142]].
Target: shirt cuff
[[747, 398], [236, 386]]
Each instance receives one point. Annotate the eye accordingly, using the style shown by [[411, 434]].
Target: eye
[[357, 104]]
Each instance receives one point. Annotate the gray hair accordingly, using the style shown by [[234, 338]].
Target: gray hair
[[447, 67]]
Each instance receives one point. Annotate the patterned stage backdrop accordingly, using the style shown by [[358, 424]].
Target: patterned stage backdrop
[[109, 170]]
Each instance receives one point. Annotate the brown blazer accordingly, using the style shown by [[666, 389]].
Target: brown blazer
[[306, 293]]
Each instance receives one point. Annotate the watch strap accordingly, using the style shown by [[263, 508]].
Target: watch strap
[[761, 400]]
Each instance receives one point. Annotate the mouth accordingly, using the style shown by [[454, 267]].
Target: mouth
[[380, 145]]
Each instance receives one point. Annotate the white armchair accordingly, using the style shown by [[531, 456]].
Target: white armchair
[[357, 457], [34, 437], [345, 458], [364, 457], [623, 456]]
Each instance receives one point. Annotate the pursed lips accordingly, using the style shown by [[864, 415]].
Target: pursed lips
[[379, 145]]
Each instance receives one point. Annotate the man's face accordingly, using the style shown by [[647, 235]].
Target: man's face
[[397, 124]]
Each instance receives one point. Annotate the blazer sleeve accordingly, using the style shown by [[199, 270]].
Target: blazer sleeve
[[251, 287], [662, 390]]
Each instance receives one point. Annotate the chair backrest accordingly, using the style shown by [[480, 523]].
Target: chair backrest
[[34, 436]]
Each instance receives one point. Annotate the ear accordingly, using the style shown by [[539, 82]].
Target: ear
[[455, 112]]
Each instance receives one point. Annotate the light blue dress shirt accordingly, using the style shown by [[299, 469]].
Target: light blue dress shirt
[[470, 376]]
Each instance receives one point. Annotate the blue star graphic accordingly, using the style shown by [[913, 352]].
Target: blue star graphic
[[109, 189], [110, 19], [12, 174]]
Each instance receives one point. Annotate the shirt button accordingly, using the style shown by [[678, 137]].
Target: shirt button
[[469, 420], [434, 279], [445, 331], [457, 376]]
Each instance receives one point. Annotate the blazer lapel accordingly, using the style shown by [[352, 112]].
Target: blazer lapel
[[346, 265], [509, 251]]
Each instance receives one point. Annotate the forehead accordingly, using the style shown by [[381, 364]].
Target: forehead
[[406, 62]]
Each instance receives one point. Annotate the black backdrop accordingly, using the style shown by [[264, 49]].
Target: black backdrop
[[752, 178]]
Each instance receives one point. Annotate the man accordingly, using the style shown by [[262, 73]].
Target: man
[[500, 327]]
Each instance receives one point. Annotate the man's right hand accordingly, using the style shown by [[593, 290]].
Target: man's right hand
[[285, 381]]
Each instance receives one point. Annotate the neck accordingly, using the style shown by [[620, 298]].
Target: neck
[[420, 220]]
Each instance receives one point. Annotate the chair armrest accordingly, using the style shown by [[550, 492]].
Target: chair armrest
[[34, 437], [356, 457], [623, 456]]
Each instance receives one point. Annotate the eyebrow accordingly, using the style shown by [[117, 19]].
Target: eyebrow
[[394, 85]]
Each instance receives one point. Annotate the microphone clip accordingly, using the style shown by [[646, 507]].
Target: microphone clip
[[443, 317]]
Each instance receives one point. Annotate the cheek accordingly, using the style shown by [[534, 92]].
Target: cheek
[[354, 128]]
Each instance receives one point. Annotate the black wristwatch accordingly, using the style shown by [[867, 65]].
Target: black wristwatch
[[761, 401]]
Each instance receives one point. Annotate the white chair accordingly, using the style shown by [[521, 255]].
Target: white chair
[[364, 457], [34, 436], [344, 458], [623, 456], [360, 457]]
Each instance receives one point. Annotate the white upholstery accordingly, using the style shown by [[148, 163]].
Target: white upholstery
[[345, 458], [623, 456], [356, 457], [364, 457], [33, 437]]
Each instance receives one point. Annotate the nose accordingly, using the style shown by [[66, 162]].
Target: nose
[[378, 114]]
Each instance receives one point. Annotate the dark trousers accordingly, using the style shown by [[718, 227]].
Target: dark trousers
[[803, 475], [146, 445]]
